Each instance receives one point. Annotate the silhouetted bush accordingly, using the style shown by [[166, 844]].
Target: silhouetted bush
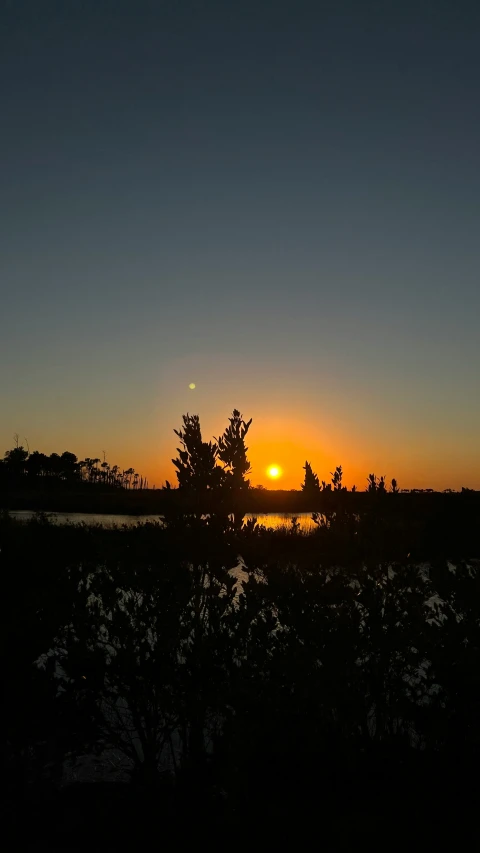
[[318, 658]]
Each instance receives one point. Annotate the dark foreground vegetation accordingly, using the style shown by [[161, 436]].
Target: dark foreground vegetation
[[210, 676], [335, 689]]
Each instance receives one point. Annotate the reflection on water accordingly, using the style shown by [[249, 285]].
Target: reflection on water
[[278, 520], [269, 519]]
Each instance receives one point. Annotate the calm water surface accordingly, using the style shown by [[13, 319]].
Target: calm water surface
[[269, 519]]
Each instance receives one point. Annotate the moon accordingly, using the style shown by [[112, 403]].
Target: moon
[[192, 386]]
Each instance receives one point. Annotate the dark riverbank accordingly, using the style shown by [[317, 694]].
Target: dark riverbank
[[93, 498]]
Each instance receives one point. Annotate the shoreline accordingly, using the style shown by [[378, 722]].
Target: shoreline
[[160, 502]]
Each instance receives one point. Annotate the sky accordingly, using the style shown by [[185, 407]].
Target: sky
[[277, 201]]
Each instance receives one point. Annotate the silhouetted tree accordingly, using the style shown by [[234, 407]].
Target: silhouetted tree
[[337, 477], [382, 486], [54, 465], [196, 464], [15, 460], [87, 466], [37, 464], [105, 470], [128, 477], [310, 485], [69, 468], [232, 451]]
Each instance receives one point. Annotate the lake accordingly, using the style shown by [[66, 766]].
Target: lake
[[269, 519]]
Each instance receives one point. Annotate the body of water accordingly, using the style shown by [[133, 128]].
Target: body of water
[[269, 519]]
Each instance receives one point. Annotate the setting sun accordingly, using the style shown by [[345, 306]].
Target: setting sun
[[274, 472]]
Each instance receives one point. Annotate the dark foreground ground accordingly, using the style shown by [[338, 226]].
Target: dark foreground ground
[[330, 699], [387, 803]]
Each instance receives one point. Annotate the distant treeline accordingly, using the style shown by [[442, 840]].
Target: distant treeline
[[19, 467]]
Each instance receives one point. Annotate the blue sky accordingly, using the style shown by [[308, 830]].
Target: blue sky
[[278, 201]]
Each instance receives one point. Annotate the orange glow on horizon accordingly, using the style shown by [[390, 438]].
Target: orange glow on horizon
[[293, 440]]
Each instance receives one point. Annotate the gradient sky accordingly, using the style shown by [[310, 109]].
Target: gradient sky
[[278, 201]]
